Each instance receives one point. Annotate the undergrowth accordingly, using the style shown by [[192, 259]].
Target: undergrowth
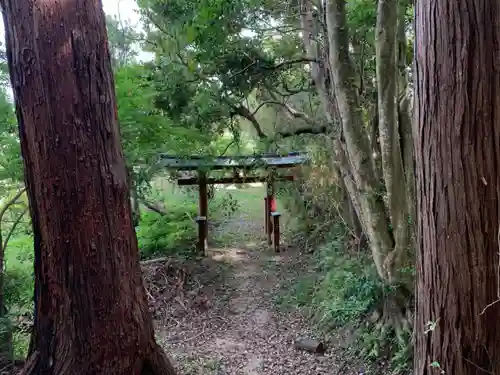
[[168, 234], [340, 291], [18, 290], [175, 233]]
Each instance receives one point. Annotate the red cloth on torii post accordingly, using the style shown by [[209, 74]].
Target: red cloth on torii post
[[272, 203]]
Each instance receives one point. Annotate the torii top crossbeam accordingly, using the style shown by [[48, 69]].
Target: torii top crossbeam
[[228, 162]]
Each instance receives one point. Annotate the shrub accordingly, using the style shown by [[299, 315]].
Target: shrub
[[348, 288], [340, 287], [167, 234], [175, 233]]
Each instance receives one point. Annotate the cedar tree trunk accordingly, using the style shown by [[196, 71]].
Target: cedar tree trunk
[[457, 131], [91, 312]]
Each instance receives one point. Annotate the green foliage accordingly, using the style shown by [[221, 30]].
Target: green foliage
[[122, 39], [343, 288], [10, 152], [170, 234], [18, 289], [145, 131], [378, 340], [175, 233], [18, 281], [211, 56], [340, 289], [349, 288]]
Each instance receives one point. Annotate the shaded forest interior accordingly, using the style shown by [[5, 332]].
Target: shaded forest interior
[[379, 255]]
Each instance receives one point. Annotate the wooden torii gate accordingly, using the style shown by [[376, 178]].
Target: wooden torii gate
[[270, 163]]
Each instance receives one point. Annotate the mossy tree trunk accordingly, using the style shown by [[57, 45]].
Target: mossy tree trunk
[[384, 219], [381, 194], [91, 311]]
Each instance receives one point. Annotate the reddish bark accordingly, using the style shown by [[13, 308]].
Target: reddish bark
[[457, 132], [91, 313]]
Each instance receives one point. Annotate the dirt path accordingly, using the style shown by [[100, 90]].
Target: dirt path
[[226, 322], [219, 317]]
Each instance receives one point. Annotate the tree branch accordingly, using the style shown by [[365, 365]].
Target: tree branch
[[227, 147], [290, 91], [245, 112], [312, 131], [279, 30], [294, 114], [260, 106], [11, 231], [281, 65], [291, 112], [11, 202], [153, 207], [294, 61]]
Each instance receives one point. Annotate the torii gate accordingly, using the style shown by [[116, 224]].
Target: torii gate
[[269, 162]]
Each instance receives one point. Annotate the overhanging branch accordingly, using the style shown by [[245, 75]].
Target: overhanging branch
[[281, 65], [250, 116], [290, 111], [312, 131], [13, 228], [301, 60], [245, 112], [11, 202], [153, 207], [293, 114]]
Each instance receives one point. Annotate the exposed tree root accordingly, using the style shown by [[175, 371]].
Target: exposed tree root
[[392, 325], [158, 363], [397, 307], [32, 364]]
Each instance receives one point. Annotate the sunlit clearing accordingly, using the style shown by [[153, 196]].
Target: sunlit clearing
[[228, 255]]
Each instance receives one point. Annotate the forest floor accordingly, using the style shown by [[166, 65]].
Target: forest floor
[[219, 316]]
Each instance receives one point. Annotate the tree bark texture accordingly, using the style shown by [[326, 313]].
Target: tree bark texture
[[387, 53], [91, 312], [457, 128]]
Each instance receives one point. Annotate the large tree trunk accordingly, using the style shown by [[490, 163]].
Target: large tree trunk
[[387, 52], [458, 178], [91, 312]]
